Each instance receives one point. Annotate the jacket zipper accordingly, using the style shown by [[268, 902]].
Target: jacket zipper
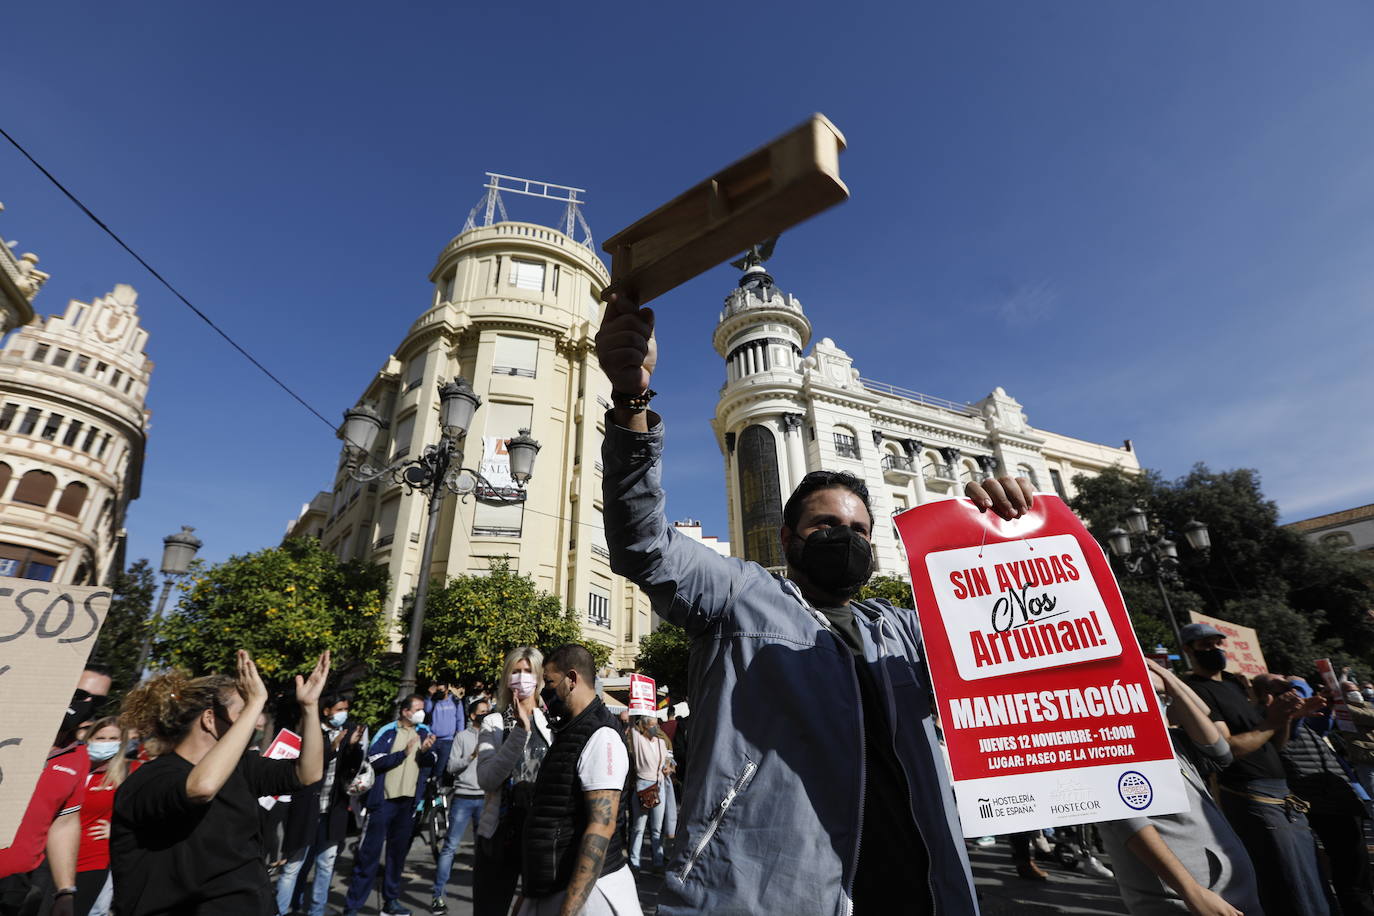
[[711, 826], [910, 801]]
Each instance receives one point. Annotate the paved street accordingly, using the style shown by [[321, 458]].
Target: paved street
[[1001, 891]]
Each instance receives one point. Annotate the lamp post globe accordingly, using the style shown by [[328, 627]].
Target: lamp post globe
[[178, 550], [1137, 522], [457, 403], [360, 427], [1119, 542], [522, 450], [1197, 536]]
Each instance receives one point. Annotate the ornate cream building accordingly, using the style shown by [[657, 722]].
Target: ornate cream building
[[72, 434], [20, 281], [783, 413], [514, 311]]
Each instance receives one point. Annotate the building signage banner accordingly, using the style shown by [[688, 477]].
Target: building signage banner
[[495, 467], [1048, 712], [1243, 655], [46, 633], [642, 696]]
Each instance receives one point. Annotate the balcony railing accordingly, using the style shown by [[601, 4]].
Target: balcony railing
[[899, 463]]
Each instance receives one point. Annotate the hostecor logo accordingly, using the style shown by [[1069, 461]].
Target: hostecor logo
[[1135, 790]]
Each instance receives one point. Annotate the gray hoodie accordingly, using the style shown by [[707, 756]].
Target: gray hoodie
[[773, 808], [462, 761]]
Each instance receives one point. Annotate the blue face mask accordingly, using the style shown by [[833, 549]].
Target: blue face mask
[[102, 750], [338, 719]]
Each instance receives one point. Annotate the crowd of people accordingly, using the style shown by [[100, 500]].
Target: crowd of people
[[815, 781]]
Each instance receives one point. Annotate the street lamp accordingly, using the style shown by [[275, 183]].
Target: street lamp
[[435, 473], [178, 550], [1147, 552]]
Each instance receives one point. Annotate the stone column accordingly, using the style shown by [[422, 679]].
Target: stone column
[[796, 457]]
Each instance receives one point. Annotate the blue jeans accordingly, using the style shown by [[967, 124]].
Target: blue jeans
[[389, 825], [650, 817], [462, 809], [1281, 847], [289, 878]]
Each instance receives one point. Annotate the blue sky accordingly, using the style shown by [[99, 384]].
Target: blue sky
[[1143, 220]]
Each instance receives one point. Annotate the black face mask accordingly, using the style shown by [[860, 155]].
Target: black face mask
[[839, 559], [1210, 659], [558, 709]]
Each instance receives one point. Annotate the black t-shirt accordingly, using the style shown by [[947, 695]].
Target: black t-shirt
[[1228, 703], [171, 855], [890, 844]]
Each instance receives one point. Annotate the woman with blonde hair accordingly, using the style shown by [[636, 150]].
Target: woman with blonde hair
[[649, 754], [185, 836], [105, 742], [514, 738]]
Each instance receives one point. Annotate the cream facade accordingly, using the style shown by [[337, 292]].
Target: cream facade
[[1349, 529], [73, 429], [784, 412], [514, 311], [20, 281]]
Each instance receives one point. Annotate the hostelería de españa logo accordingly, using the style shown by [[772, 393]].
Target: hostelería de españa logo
[[1020, 606]]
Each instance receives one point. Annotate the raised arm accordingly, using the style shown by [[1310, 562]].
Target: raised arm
[[687, 582], [603, 806], [310, 764], [214, 769]]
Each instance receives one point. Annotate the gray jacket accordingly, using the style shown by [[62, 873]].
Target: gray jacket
[[460, 762], [774, 807]]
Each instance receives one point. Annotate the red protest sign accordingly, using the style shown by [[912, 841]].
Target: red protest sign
[[1048, 712], [642, 695]]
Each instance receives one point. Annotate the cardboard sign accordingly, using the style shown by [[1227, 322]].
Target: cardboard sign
[[642, 696], [1340, 710], [47, 632], [1243, 655], [286, 746], [1048, 712]]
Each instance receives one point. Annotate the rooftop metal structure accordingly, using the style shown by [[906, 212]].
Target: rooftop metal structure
[[490, 204]]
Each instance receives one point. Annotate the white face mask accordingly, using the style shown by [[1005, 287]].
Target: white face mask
[[521, 684], [417, 717], [1354, 696], [102, 750], [338, 719]]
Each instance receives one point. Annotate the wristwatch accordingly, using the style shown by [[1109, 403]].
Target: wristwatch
[[633, 402], [64, 892]]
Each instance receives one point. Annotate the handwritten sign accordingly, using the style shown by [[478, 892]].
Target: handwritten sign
[[1340, 709], [1048, 712], [47, 632], [1243, 655], [642, 696]]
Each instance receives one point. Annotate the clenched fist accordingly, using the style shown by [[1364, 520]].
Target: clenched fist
[[625, 345]]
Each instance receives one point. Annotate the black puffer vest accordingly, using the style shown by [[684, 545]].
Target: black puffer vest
[[558, 814]]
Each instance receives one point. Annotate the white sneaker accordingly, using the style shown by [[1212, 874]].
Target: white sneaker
[[1092, 866]]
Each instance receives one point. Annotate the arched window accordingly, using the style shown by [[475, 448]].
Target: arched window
[[35, 488], [846, 442], [760, 496], [6, 472], [1028, 472], [73, 498]]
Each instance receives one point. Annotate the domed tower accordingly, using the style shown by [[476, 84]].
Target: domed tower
[[761, 335]]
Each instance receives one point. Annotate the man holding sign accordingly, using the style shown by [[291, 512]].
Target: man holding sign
[[837, 798]]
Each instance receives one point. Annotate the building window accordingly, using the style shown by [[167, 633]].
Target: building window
[[52, 426], [554, 287], [73, 430], [846, 445], [7, 415], [449, 282], [60, 360], [90, 438], [515, 356], [114, 379], [405, 430], [386, 522], [759, 495], [35, 488], [1058, 482], [527, 274], [101, 369], [497, 519], [30, 421], [73, 498], [40, 352], [1028, 472], [415, 373], [599, 608], [1338, 539], [6, 472], [104, 444], [24, 563], [82, 361]]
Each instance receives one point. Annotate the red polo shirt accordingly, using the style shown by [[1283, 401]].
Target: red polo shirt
[[61, 789]]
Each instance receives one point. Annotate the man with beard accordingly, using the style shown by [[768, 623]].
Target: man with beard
[[1268, 818], [816, 782]]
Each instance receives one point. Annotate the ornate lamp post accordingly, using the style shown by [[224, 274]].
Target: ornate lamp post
[[1147, 552], [435, 473], [178, 550]]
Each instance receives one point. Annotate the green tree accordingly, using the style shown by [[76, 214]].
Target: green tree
[[121, 636], [663, 656], [1305, 600], [285, 605], [892, 588], [472, 621]]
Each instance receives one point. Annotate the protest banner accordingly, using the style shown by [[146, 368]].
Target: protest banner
[[642, 696], [46, 634], [1048, 712], [1340, 711], [1243, 655], [286, 746]]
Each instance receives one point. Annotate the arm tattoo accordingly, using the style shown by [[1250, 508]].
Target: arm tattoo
[[602, 808]]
